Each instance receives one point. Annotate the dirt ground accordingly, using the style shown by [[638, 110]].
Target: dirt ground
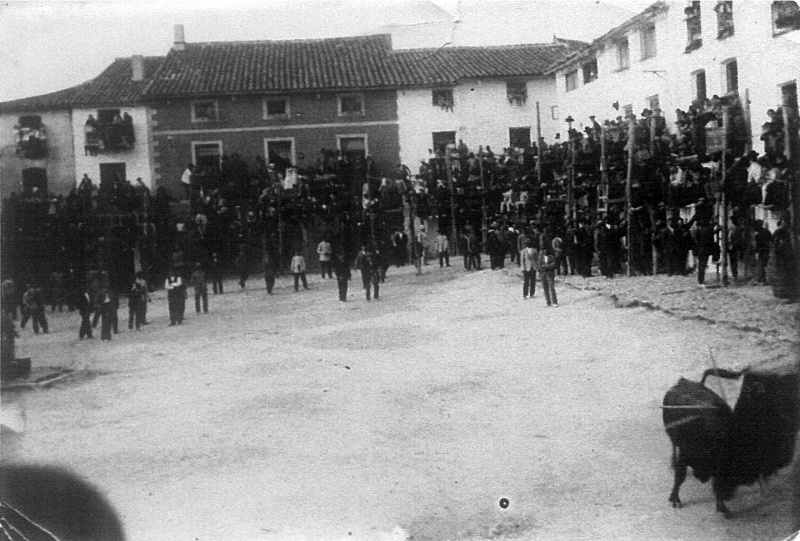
[[297, 417]]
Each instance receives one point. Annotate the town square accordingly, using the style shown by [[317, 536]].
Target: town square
[[408, 277]]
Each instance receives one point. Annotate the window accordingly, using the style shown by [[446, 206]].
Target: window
[[204, 111], [554, 112], [351, 104], [519, 137], [590, 71], [30, 122], [694, 27], [441, 139], [731, 76], [31, 137], [648, 41], [654, 103], [207, 156], [700, 85], [724, 11], [623, 54], [785, 17], [443, 98], [517, 92], [280, 152], [276, 108], [353, 147], [571, 79]]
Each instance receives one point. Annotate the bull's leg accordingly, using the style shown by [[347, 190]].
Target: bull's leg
[[719, 494], [680, 476]]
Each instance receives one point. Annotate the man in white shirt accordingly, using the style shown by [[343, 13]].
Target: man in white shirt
[[324, 250], [186, 180], [442, 246], [299, 271]]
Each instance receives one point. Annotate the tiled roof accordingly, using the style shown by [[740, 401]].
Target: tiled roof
[[114, 86], [276, 66], [349, 63], [448, 65], [363, 62]]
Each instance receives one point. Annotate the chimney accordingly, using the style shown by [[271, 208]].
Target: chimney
[[137, 67], [180, 42]]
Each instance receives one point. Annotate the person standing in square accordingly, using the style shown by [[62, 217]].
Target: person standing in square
[[547, 268], [299, 271], [442, 246], [324, 250], [198, 281]]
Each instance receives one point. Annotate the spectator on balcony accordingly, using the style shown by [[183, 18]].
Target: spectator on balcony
[[91, 132], [126, 129]]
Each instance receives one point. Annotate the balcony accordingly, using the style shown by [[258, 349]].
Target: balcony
[[105, 135], [31, 138]]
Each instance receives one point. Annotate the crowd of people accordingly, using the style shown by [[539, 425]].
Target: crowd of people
[[102, 242]]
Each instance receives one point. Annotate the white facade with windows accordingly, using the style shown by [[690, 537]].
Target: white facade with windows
[[733, 45], [482, 112]]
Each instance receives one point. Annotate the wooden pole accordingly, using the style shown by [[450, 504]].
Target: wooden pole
[[747, 121], [603, 168], [448, 164], [484, 209], [628, 181], [724, 241], [538, 146]]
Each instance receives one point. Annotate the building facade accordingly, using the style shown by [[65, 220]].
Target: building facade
[[99, 128], [676, 52], [481, 95]]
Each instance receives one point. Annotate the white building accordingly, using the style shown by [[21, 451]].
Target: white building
[[56, 123], [674, 52], [481, 95]]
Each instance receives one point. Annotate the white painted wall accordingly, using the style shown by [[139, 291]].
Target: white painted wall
[[137, 160], [481, 115], [58, 162], [765, 62]]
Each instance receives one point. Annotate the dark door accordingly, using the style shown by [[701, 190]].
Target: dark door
[[34, 181], [111, 173]]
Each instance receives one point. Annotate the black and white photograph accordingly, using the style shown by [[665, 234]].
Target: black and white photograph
[[401, 270]]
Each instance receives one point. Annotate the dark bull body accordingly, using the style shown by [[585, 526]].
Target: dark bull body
[[731, 447]]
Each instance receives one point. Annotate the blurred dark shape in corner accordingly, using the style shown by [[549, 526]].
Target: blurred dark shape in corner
[[46, 503]]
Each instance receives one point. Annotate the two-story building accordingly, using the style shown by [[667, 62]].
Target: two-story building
[[675, 52], [481, 95], [99, 128], [287, 100], [281, 100]]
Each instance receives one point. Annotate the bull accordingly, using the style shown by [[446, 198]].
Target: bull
[[731, 447]]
